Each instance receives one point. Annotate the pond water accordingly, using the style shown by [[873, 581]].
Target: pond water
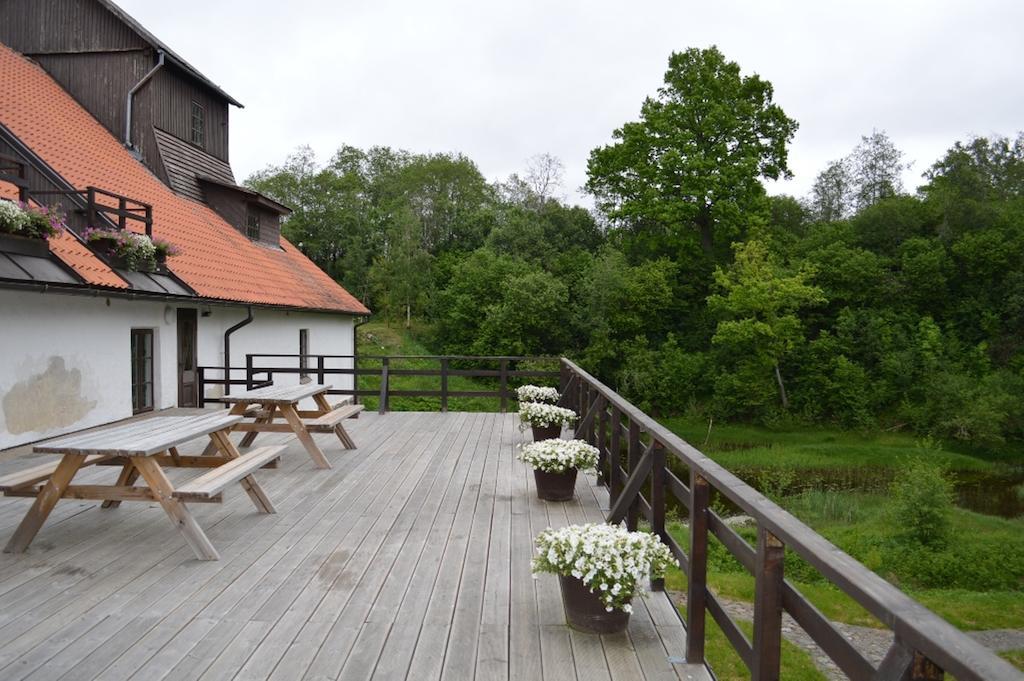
[[999, 492]]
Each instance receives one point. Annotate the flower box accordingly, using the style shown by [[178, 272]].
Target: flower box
[[24, 245], [601, 568]]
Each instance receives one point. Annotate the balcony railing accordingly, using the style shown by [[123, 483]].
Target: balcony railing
[[638, 455], [12, 171], [100, 203], [498, 375]]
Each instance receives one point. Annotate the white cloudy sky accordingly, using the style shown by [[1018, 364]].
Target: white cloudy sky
[[501, 82]]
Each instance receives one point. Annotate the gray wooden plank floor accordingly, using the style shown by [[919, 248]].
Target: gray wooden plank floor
[[409, 559]]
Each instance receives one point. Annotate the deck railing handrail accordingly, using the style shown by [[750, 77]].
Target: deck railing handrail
[[924, 645], [316, 366]]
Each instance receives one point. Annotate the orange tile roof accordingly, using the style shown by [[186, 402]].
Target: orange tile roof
[[216, 260]]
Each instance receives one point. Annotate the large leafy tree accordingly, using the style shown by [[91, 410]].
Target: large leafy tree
[[695, 159]]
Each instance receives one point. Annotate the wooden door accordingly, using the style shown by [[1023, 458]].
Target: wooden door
[[188, 372]]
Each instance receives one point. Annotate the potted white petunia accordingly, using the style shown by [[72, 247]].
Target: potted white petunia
[[600, 568], [546, 420], [537, 393], [555, 463]]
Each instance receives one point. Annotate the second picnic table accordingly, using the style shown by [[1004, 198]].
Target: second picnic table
[[281, 402]]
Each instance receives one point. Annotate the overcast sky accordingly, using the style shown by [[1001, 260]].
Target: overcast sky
[[501, 82]]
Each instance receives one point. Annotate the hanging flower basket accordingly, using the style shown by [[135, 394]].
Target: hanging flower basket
[[537, 393], [555, 463], [601, 568], [546, 420]]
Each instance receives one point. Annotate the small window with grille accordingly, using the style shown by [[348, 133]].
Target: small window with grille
[[198, 129], [252, 225]]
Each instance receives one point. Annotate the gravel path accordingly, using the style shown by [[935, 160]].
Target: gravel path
[[872, 643]]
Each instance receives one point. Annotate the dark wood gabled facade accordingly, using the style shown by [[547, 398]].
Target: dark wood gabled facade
[[171, 116]]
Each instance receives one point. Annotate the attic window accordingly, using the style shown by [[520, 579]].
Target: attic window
[[198, 129], [252, 225]]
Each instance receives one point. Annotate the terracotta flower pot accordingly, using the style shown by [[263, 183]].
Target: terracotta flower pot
[[585, 611], [555, 486], [546, 432]]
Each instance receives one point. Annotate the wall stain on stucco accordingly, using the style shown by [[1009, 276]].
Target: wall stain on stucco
[[46, 401]]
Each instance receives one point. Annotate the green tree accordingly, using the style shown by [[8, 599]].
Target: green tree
[[759, 325], [695, 158], [401, 271]]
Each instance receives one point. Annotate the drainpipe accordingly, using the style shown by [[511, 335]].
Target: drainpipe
[[227, 347], [355, 358], [131, 95]]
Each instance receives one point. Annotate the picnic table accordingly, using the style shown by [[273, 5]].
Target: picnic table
[[142, 448], [281, 402]]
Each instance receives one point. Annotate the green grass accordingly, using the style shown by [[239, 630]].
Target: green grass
[[1015, 657], [377, 338], [738, 446], [796, 665], [987, 539]]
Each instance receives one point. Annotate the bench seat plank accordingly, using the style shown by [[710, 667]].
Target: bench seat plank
[[327, 422], [36, 474], [211, 483]]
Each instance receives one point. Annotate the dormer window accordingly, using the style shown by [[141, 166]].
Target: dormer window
[[198, 129], [252, 225]]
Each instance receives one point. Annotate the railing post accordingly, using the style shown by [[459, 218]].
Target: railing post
[[382, 408], [149, 220], [563, 378], [250, 374], [320, 376], [602, 449], [658, 502], [592, 396], [444, 384], [122, 218], [201, 371], [504, 385], [697, 579], [633, 454], [768, 575], [90, 207], [615, 456]]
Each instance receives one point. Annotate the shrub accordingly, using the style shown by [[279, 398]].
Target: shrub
[[920, 505]]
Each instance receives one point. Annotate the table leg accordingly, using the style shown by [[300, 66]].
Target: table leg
[[236, 409], [176, 510], [129, 474], [339, 430], [249, 484], [266, 417], [44, 503], [305, 438]]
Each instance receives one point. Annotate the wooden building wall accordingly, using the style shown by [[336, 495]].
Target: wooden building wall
[[37, 26], [232, 206], [173, 93]]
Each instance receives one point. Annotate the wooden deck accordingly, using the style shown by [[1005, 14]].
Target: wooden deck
[[409, 559]]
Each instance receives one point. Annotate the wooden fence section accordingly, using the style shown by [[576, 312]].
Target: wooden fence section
[[503, 372], [634, 465]]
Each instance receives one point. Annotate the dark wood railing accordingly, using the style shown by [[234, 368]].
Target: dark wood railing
[[115, 208], [925, 645], [12, 171], [503, 371]]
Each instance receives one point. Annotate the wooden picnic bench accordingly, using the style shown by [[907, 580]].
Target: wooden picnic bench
[[142, 448], [281, 402]]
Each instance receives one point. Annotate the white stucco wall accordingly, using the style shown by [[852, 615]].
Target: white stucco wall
[[65, 360]]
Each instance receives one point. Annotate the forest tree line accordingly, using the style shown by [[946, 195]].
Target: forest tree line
[[688, 287]]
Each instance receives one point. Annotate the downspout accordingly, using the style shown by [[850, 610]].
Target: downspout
[[355, 359], [227, 348], [131, 95]]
